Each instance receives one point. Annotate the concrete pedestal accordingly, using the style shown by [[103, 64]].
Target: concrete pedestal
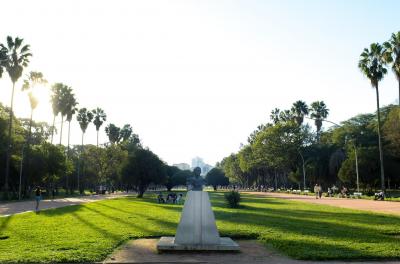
[[197, 229]]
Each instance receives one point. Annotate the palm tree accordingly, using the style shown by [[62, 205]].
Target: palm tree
[[14, 58], [274, 116], [99, 118], [299, 110], [55, 104], [70, 111], [65, 93], [33, 79], [114, 133], [84, 118], [319, 112], [392, 55], [371, 64]]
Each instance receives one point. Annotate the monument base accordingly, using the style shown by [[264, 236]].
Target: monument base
[[168, 244]]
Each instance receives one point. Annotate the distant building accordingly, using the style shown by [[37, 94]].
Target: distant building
[[182, 166], [197, 162]]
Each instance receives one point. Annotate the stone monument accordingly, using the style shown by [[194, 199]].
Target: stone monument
[[197, 229]]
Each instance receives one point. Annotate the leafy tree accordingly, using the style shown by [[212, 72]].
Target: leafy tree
[[299, 110], [319, 112], [142, 168], [84, 118], [216, 177], [48, 163], [368, 164], [231, 168], [99, 118], [105, 164], [391, 132], [392, 55], [15, 57], [171, 180], [371, 64]]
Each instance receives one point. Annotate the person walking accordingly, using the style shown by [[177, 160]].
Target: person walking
[[316, 191], [38, 197]]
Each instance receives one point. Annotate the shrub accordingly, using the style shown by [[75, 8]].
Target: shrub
[[233, 199]]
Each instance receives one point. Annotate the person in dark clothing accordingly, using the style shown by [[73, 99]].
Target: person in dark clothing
[[38, 197]]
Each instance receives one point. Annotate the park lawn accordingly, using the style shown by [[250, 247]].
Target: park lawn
[[90, 232]]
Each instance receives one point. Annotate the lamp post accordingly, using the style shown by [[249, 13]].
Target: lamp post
[[304, 170]]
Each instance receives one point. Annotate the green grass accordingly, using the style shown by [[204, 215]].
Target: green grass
[[91, 231]]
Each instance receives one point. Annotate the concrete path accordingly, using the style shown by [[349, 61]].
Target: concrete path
[[144, 251], [359, 204], [28, 206]]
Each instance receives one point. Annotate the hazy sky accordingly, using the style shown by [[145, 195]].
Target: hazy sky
[[195, 78]]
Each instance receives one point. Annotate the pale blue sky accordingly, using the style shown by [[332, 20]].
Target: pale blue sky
[[195, 78]]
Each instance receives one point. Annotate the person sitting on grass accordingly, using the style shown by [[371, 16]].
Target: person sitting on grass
[[38, 197], [160, 198], [179, 199]]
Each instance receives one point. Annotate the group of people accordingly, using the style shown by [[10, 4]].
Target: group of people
[[171, 198]]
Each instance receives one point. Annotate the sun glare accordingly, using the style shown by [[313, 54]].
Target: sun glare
[[43, 110]]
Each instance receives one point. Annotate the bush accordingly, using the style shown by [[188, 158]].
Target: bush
[[233, 199]]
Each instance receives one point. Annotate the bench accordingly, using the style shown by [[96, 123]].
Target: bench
[[357, 195]]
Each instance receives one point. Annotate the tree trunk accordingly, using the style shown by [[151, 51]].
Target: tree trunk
[[399, 91], [52, 128], [66, 176], [380, 143], [8, 154], [141, 191], [62, 123], [97, 138], [79, 163]]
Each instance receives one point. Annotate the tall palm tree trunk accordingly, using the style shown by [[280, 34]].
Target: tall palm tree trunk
[[380, 143], [52, 128], [97, 138], [62, 123], [8, 154], [79, 163], [66, 176], [27, 152], [399, 91]]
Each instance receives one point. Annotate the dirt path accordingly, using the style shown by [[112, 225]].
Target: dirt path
[[144, 251], [28, 206], [359, 204]]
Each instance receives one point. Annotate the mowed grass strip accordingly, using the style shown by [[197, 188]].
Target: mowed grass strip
[[90, 232]]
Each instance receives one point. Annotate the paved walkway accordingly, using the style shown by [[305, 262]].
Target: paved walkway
[[28, 206], [144, 251], [359, 204]]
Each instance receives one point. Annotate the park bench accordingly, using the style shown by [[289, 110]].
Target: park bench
[[306, 192], [356, 195]]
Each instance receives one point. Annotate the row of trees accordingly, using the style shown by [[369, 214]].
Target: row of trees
[[287, 153], [30, 158], [284, 151]]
